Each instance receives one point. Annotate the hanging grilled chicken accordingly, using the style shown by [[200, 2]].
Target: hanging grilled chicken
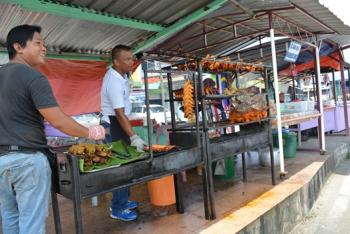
[[188, 99]]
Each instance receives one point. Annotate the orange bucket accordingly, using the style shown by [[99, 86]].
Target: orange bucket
[[162, 191]]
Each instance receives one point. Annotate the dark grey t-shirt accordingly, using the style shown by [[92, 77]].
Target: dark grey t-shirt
[[23, 90]]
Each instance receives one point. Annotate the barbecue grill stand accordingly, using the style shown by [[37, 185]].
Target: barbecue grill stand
[[196, 150]]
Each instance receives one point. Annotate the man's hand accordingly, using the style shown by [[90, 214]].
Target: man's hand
[[137, 142], [97, 132]]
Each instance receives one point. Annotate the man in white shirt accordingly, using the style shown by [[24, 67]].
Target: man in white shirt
[[115, 104]]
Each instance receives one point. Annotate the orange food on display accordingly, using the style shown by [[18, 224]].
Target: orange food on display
[[160, 148], [251, 115], [211, 65], [188, 99], [91, 153]]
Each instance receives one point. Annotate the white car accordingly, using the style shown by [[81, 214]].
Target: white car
[[156, 111]]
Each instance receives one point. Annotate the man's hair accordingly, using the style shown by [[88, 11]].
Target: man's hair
[[20, 34], [117, 49]]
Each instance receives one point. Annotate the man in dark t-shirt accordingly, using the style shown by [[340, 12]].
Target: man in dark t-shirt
[[20, 121], [26, 99]]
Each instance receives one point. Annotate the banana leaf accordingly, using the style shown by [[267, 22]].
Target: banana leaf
[[122, 150], [122, 154]]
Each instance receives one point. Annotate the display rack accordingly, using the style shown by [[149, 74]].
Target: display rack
[[253, 134]]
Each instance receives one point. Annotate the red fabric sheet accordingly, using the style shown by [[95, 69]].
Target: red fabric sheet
[[76, 84]]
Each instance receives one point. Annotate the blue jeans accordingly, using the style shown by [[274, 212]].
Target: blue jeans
[[121, 196], [25, 182], [119, 199]]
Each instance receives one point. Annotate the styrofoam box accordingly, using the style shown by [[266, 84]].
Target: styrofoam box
[[251, 159], [264, 157], [293, 107], [310, 105]]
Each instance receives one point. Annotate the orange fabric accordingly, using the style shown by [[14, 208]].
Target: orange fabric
[[76, 84], [325, 61]]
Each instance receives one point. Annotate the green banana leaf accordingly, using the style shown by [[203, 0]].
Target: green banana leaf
[[122, 150], [121, 154]]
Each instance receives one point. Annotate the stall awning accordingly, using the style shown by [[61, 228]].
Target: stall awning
[[331, 61]]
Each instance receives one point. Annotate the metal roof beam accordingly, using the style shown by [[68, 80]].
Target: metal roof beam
[[218, 29], [295, 38], [198, 14], [307, 14], [243, 8], [345, 47], [260, 32], [288, 22], [83, 13]]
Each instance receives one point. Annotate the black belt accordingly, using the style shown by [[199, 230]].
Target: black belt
[[16, 148]]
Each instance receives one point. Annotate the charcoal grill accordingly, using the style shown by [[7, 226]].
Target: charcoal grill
[[76, 186]]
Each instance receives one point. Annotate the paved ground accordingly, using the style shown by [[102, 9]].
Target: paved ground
[[229, 197], [331, 212]]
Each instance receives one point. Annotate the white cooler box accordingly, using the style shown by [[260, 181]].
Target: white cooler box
[[264, 157]]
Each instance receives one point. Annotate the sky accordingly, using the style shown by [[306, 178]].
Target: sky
[[340, 8]]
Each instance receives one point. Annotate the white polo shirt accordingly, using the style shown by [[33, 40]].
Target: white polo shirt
[[114, 94]]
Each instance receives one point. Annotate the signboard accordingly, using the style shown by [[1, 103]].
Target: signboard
[[293, 52]]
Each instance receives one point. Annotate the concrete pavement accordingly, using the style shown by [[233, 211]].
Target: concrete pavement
[[331, 212]]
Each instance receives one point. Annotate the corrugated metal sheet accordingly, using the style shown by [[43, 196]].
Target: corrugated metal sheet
[[341, 40], [319, 11], [71, 35], [162, 12], [229, 14], [67, 34]]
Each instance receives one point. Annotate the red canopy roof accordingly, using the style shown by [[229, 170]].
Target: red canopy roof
[[330, 61]]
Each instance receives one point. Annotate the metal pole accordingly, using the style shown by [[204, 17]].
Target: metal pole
[[293, 93], [320, 105], [171, 99], [334, 88], [266, 80], [244, 168], [55, 207], [348, 76], [149, 124], [76, 196], [345, 103], [196, 106], [179, 193], [278, 107], [314, 89], [211, 214], [162, 96]]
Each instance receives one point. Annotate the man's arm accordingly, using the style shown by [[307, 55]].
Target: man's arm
[[124, 121], [64, 123]]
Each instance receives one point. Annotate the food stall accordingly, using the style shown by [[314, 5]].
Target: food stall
[[334, 114], [174, 33], [192, 147]]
